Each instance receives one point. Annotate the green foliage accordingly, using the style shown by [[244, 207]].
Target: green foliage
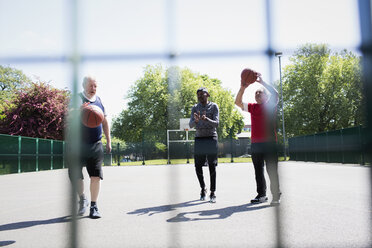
[[37, 111], [11, 80], [161, 97], [322, 91], [114, 143]]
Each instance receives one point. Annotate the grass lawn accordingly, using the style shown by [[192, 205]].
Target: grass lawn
[[184, 161]]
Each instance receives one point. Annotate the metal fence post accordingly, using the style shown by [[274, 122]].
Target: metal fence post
[[63, 154], [118, 155], [51, 155], [362, 161], [187, 147], [143, 147], [37, 155], [342, 145], [327, 147], [315, 149], [19, 153], [305, 150], [168, 147], [231, 147]]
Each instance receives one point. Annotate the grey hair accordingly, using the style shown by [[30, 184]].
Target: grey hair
[[87, 79], [264, 90]]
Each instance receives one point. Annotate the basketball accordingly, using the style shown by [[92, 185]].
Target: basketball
[[248, 76], [92, 116]]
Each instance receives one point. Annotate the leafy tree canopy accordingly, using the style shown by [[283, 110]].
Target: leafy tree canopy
[[11, 80], [161, 97], [321, 90]]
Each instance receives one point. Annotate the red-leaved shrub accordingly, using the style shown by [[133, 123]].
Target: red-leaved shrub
[[38, 111]]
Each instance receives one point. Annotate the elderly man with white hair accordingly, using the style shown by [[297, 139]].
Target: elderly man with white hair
[[91, 154]]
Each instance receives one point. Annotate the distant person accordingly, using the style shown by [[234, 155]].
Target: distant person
[[91, 151], [205, 119], [264, 138]]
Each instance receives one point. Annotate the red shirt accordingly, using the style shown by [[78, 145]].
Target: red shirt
[[261, 131]]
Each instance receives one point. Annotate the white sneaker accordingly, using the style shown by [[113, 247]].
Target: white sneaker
[[276, 201], [83, 205], [259, 199]]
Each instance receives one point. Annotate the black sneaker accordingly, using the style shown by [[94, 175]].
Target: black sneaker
[[212, 198], [83, 205], [259, 199], [203, 193], [94, 214]]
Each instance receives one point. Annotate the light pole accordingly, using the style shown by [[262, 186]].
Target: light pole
[[279, 55]]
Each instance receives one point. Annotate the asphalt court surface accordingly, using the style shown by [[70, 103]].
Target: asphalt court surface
[[323, 205]]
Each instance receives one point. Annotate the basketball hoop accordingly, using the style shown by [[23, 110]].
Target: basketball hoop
[[184, 124]]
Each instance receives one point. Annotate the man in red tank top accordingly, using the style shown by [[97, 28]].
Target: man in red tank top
[[264, 138]]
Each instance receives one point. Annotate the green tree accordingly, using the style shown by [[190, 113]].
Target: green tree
[[322, 90], [161, 97], [11, 80]]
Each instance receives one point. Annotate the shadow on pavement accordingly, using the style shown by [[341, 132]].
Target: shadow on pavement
[[215, 214], [6, 242], [26, 224], [166, 208]]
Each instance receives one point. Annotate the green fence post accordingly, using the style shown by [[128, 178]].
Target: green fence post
[[63, 154], [19, 153], [118, 155], [51, 155], [342, 145], [231, 147], [362, 162], [37, 155], [327, 147], [143, 147], [187, 152], [315, 149], [305, 148]]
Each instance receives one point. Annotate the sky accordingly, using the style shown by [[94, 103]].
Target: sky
[[214, 37]]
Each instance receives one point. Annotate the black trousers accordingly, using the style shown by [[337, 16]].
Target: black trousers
[[266, 153], [205, 152]]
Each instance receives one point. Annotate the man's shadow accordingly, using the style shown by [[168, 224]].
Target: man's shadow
[[166, 208], [215, 214], [6, 242], [26, 224]]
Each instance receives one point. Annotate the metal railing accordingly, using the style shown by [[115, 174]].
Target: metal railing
[[24, 154], [338, 146], [179, 144]]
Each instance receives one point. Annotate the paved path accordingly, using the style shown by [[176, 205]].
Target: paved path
[[323, 205]]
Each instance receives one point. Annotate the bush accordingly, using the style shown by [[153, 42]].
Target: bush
[[37, 111]]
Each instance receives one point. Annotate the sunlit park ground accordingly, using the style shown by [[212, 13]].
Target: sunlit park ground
[[323, 205]]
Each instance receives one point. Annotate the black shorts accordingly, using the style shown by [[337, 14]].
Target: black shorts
[[91, 156]]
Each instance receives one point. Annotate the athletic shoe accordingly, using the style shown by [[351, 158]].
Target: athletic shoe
[[212, 198], [203, 193], [276, 200], [259, 199], [94, 214], [83, 205]]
